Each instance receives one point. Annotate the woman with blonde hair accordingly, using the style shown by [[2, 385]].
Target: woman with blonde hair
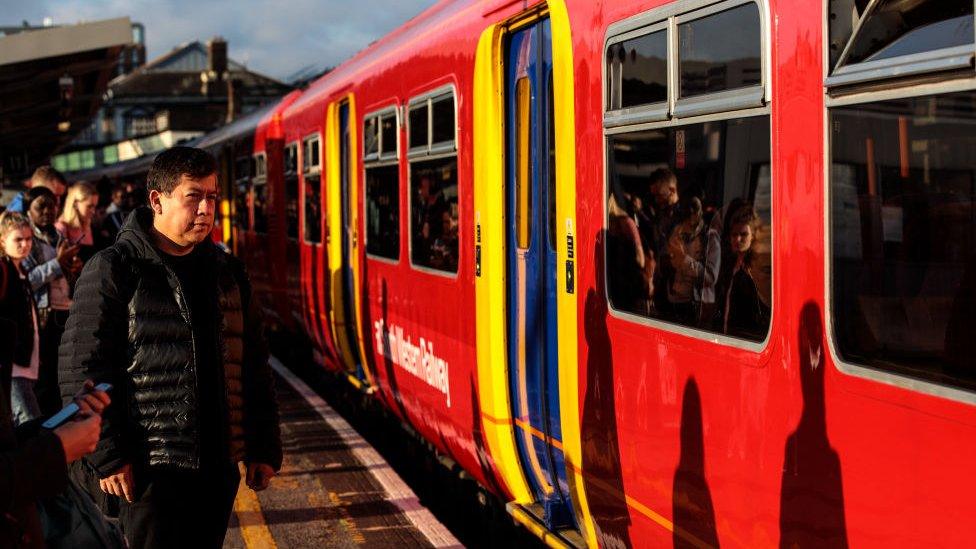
[[75, 223]]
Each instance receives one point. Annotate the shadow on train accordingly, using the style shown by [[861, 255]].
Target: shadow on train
[[601, 447], [812, 498], [691, 503]]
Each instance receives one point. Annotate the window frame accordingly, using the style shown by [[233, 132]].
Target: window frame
[[260, 177], [306, 171], [904, 88], [421, 154], [249, 183], [381, 160], [297, 143], [720, 106], [899, 67]]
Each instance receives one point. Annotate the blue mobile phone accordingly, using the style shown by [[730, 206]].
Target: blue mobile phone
[[70, 410]]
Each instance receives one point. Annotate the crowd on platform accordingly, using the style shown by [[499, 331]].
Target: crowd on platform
[[122, 286]]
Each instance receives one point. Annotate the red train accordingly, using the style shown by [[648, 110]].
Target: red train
[[695, 272]]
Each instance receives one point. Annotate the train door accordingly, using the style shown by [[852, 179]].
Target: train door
[[532, 272], [344, 252]]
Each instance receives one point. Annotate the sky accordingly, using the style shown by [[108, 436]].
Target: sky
[[276, 38]]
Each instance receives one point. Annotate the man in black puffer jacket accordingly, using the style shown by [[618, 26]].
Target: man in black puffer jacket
[[168, 318]]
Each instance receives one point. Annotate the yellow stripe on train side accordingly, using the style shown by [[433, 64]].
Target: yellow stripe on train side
[[354, 255], [564, 108], [337, 314], [489, 236]]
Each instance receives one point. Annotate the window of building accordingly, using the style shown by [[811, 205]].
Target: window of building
[[688, 240], [259, 195], [291, 190], [382, 184], [434, 242], [313, 190]]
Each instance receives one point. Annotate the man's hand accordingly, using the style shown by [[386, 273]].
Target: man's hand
[[90, 401], [259, 475], [80, 436], [119, 483]]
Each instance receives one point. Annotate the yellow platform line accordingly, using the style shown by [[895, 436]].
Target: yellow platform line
[[251, 519]]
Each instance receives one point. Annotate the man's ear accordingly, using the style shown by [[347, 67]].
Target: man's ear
[[154, 201]]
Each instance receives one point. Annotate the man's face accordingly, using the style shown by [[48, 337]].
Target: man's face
[[665, 193], [186, 215], [43, 211]]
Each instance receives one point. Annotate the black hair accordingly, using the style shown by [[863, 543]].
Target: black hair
[[170, 165], [36, 192]]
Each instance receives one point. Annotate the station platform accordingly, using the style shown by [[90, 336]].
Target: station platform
[[334, 489]]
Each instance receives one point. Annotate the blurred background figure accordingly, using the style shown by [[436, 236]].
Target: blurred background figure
[[45, 176], [52, 267], [75, 222]]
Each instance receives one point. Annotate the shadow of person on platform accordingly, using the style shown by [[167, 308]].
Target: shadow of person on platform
[[812, 497], [691, 504], [601, 449]]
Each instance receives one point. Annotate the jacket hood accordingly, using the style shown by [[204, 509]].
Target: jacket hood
[[137, 233]]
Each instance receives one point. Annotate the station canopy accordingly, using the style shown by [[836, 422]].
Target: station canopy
[[52, 82]]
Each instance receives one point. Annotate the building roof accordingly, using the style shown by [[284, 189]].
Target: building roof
[[177, 74]]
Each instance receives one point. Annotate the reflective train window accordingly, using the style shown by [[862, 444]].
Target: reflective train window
[[903, 236], [312, 232], [721, 51], [688, 237], [291, 190], [259, 195], [434, 184], [637, 71], [382, 186]]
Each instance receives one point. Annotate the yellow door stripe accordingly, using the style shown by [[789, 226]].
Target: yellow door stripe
[[489, 236], [564, 109]]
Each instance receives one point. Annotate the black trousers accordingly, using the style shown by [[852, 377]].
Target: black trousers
[[47, 390], [180, 509]]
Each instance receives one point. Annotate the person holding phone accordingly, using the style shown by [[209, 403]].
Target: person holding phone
[[75, 222], [52, 267], [168, 319]]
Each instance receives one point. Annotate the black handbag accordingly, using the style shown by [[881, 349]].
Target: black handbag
[[71, 520]]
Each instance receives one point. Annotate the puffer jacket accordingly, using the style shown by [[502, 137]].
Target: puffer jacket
[[130, 326]]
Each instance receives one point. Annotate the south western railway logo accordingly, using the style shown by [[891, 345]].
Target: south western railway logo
[[418, 360]]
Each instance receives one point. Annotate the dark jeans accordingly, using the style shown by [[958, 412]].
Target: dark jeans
[[47, 390], [180, 509]]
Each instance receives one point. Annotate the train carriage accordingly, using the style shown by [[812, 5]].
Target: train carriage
[[695, 272]]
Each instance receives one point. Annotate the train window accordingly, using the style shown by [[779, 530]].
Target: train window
[[688, 237], [720, 52], [291, 190], [903, 236], [371, 138], [259, 195], [894, 38], [388, 135], [383, 211], [383, 188], [434, 213], [434, 184], [418, 127], [310, 158], [312, 180], [442, 120], [637, 71]]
